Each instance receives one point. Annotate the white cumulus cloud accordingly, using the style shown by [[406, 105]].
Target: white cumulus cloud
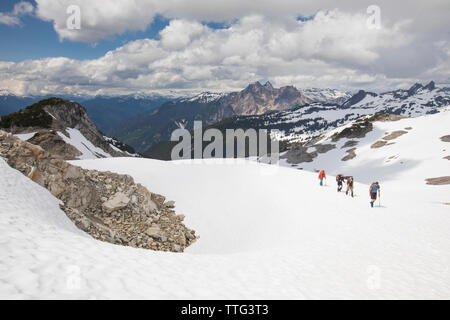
[[13, 18], [334, 49]]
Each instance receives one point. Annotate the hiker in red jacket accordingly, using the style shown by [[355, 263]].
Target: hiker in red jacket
[[322, 176], [349, 185]]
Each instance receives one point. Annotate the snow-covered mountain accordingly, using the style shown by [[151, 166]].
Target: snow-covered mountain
[[266, 232], [146, 130], [417, 100], [204, 97], [326, 95], [302, 122]]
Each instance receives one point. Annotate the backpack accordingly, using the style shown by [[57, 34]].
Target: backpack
[[374, 188]]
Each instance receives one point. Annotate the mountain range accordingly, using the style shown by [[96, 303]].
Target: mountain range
[[145, 130], [304, 121], [146, 122]]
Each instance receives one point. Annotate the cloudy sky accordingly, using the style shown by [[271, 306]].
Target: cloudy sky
[[128, 46]]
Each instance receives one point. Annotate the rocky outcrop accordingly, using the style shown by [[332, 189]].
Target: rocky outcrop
[[438, 181], [378, 144], [349, 144], [299, 154], [350, 154], [57, 115], [358, 129], [68, 114], [387, 138], [445, 138], [258, 99], [394, 135], [51, 142], [324, 148], [108, 206], [385, 117]]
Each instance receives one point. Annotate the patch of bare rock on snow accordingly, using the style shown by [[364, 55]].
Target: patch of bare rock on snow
[[388, 137], [108, 206], [438, 181], [350, 154], [394, 135]]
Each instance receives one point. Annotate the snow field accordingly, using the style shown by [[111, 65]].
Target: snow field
[[266, 232]]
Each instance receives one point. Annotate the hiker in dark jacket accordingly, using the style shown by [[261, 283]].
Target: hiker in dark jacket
[[340, 181], [373, 191]]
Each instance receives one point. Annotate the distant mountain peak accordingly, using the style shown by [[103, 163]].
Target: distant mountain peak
[[326, 95], [204, 97], [268, 85], [254, 86], [413, 90], [418, 86], [430, 86], [358, 97]]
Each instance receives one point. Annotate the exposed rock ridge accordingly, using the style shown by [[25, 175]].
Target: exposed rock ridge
[[108, 206], [68, 114], [57, 115]]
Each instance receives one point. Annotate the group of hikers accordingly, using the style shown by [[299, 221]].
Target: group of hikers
[[374, 189]]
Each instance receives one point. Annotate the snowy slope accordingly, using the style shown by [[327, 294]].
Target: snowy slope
[[205, 97], [412, 157], [87, 149], [266, 231]]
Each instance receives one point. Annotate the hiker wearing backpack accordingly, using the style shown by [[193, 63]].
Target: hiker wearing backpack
[[322, 176], [340, 181], [349, 181], [374, 190]]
